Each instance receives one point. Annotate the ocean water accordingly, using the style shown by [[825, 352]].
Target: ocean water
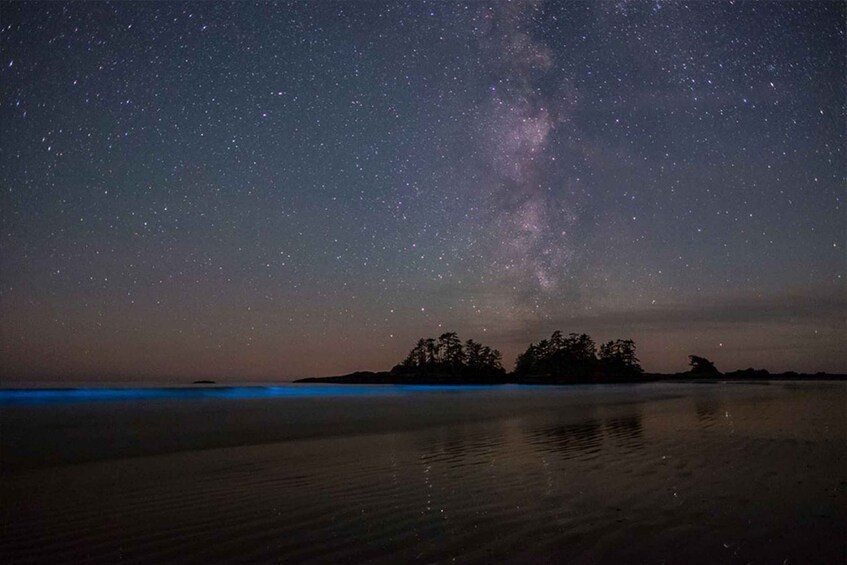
[[654, 473]]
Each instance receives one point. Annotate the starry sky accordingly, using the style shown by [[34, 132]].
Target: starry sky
[[275, 190]]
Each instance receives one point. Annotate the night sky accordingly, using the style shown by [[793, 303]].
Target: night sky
[[268, 191]]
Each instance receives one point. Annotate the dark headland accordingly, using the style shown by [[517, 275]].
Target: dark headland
[[571, 359]]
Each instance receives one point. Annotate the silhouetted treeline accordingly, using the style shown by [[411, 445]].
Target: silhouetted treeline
[[449, 359], [571, 359], [560, 359], [574, 358]]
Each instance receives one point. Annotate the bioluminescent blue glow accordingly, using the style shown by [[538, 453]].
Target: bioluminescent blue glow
[[70, 395]]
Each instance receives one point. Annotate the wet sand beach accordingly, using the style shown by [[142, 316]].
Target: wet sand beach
[[654, 473]]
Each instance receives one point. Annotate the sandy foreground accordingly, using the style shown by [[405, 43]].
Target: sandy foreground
[[674, 473]]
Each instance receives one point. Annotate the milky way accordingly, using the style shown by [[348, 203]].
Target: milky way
[[531, 196], [273, 190]]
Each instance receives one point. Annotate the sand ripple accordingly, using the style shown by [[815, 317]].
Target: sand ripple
[[724, 474]]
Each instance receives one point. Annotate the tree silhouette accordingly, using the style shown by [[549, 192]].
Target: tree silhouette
[[559, 359], [579, 354], [702, 367], [431, 351], [448, 360], [417, 356], [527, 361], [473, 354], [451, 349], [618, 360]]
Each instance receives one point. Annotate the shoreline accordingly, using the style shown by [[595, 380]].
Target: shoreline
[[388, 378], [385, 378]]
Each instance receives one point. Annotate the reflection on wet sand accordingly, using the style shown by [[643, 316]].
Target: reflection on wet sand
[[459, 446], [603, 475], [626, 431], [586, 438], [707, 410], [569, 440]]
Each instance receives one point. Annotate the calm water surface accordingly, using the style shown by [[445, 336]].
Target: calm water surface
[[658, 473]]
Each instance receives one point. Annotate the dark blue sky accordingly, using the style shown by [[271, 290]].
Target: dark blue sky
[[276, 190]]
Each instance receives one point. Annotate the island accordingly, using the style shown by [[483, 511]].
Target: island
[[562, 359]]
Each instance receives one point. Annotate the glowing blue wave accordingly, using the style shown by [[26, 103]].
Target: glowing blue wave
[[68, 395]]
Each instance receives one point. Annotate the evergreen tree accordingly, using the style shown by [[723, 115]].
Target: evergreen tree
[[431, 351], [702, 366], [451, 349], [446, 359], [618, 359], [559, 359]]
